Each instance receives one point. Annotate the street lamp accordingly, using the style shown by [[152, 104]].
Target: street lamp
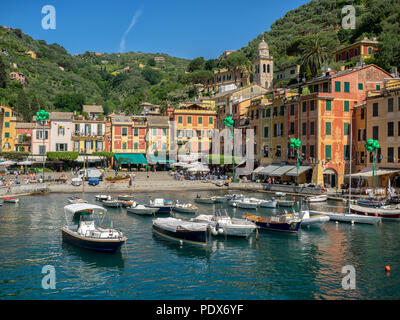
[[43, 115]]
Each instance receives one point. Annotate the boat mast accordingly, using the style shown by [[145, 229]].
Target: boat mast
[[351, 138]]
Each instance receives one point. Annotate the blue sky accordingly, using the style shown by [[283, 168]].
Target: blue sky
[[186, 29]]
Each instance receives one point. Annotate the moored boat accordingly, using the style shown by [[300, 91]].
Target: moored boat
[[206, 200], [371, 203], [268, 203], [126, 197], [128, 203], [222, 224], [112, 203], [307, 221], [141, 209], [285, 203], [163, 206], [101, 197], [275, 223], [320, 198], [248, 203], [348, 217], [185, 207], [388, 212], [11, 199], [220, 199], [182, 231], [82, 231], [76, 200]]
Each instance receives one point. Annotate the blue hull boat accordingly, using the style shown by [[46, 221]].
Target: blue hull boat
[[275, 223]]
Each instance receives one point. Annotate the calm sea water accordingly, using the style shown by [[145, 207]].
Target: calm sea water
[[276, 266]]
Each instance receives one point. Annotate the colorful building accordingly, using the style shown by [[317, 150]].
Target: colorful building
[[88, 134], [358, 51], [328, 102], [40, 137], [157, 139], [8, 118], [191, 128], [61, 131], [23, 136], [382, 119]]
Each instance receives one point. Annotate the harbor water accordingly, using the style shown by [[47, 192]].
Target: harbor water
[[307, 265]]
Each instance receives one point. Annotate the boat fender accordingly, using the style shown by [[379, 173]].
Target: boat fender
[[214, 232], [221, 231]]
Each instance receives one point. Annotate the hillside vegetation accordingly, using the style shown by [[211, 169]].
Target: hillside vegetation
[[57, 80]]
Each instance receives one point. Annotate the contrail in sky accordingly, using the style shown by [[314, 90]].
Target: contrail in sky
[[133, 22]]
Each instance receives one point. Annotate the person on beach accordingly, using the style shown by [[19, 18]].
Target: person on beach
[[130, 181]]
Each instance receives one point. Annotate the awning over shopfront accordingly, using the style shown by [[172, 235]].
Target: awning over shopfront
[[293, 171], [368, 172], [259, 169], [270, 169], [281, 171], [88, 158], [130, 158], [159, 159]]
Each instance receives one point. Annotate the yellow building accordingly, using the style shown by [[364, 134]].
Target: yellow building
[[8, 118], [273, 146], [357, 51]]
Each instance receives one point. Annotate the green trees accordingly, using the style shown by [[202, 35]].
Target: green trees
[[196, 64], [22, 105], [151, 75], [314, 54], [3, 74], [69, 102]]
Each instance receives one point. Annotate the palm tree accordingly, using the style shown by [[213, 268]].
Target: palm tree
[[314, 55]]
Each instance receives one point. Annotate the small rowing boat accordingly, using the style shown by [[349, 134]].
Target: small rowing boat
[[141, 209], [112, 203], [205, 200], [11, 199], [185, 207]]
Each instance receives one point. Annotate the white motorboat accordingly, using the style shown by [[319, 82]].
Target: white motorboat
[[101, 197], [268, 203], [348, 217], [141, 209], [235, 198], [182, 231], [163, 206], [81, 230], [76, 182], [315, 221], [112, 203], [386, 212], [320, 198], [248, 203], [222, 224], [185, 207]]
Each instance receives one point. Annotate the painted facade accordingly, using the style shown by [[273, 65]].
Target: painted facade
[[60, 131], [8, 118]]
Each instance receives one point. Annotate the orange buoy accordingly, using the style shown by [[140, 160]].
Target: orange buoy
[[387, 268], [294, 198], [183, 196]]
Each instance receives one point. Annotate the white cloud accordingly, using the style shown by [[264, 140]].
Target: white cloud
[[133, 22]]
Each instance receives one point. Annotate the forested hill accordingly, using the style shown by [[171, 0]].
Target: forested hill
[[60, 81], [290, 36], [311, 33]]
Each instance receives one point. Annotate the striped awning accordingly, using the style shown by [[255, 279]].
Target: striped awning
[[293, 172], [258, 169], [281, 171], [368, 172], [270, 169]]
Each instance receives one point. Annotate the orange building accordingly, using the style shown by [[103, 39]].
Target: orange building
[[191, 127]]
